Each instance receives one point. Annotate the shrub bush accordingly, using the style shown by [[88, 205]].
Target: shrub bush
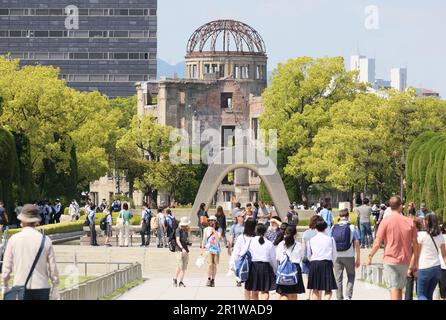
[[64, 227]]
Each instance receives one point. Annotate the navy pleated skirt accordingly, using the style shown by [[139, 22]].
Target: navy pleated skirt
[[321, 276], [261, 277]]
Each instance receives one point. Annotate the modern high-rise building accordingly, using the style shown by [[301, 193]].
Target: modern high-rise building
[[104, 45], [365, 66], [398, 78]]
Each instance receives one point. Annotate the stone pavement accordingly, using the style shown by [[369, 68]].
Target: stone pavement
[[161, 288], [159, 268]]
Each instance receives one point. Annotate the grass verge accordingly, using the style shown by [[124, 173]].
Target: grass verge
[[124, 289]]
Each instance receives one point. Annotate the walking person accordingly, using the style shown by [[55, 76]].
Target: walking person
[[347, 241], [30, 257], [146, 216], [236, 211], [323, 253], [264, 215], [18, 209], [290, 249], [73, 211], [47, 212], [236, 230], [411, 211], [58, 208], [170, 224], [364, 213], [306, 237], [274, 229], [182, 251], [108, 226], [431, 250], [443, 268], [221, 221], [411, 278], [400, 243], [124, 230], [292, 216], [211, 243], [202, 215], [3, 217], [160, 238], [422, 213], [326, 213], [262, 273], [249, 231], [91, 216], [249, 213]]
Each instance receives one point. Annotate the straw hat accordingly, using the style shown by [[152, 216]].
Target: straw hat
[[212, 218], [29, 214], [184, 222]]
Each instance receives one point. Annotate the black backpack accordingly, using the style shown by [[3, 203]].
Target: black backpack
[[172, 237], [103, 224]]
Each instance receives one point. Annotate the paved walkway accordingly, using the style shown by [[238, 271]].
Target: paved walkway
[[161, 288], [159, 268]]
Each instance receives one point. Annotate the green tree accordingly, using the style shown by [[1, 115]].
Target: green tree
[[350, 153], [9, 170], [297, 103], [146, 147]]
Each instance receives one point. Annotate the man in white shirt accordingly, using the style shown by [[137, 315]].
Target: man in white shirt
[[161, 230], [346, 257], [21, 252]]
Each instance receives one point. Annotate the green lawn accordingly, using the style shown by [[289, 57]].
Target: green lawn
[[123, 289]]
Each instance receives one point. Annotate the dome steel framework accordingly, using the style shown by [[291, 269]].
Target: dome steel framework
[[235, 36]]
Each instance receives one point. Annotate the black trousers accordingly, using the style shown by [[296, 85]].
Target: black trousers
[[145, 230], [93, 240], [37, 294]]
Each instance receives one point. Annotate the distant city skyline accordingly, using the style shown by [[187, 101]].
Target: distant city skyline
[[408, 34]]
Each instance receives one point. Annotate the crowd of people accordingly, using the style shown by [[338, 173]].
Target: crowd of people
[[265, 253]]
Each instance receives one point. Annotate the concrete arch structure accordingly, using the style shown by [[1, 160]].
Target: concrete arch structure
[[242, 157]]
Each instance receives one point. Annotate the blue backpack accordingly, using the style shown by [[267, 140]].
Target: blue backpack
[[342, 236], [287, 272], [243, 265]]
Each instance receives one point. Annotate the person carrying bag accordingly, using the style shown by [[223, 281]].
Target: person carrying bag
[[21, 292]]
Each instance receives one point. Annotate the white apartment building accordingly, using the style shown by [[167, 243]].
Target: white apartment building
[[398, 78]]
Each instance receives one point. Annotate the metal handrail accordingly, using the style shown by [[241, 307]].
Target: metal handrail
[[86, 263]]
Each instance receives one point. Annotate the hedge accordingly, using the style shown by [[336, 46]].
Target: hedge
[[425, 172], [64, 227]]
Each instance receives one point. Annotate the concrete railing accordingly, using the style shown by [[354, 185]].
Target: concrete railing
[[104, 285], [373, 274]]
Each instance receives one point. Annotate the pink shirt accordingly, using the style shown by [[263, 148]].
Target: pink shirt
[[398, 233]]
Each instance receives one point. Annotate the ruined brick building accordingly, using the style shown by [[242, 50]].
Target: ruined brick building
[[226, 72]]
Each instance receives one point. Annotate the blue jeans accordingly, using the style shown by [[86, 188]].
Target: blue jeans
[[366, 234], [428, 280]]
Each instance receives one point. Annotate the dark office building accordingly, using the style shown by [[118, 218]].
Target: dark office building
[[104, 45]]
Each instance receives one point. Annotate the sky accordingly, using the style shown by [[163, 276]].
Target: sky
[[406, 33]]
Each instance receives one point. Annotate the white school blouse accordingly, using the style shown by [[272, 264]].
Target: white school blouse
[[238, 246], [322, 247], [295, 252], [261, 253]]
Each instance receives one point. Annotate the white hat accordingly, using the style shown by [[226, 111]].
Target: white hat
[[184, 222], [212, 218]]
